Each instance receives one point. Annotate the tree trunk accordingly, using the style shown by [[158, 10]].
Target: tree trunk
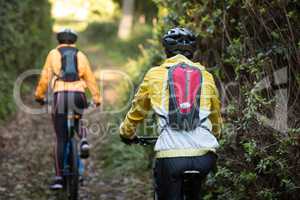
[[125, 25]]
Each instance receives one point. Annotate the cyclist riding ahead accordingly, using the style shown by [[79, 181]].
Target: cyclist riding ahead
[[68, 71], [185, 99]]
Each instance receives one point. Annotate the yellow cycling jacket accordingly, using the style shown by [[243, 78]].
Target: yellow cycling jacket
[[153, 93], [53, 66]]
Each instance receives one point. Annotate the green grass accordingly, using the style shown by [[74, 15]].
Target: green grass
[[104, 48], [104, 37], [123, 159]]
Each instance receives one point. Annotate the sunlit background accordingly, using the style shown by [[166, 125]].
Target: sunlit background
[[113, 30], [78, 13]]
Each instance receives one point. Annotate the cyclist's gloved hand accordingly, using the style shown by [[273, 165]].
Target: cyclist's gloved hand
[[129, 141], [40, 101]]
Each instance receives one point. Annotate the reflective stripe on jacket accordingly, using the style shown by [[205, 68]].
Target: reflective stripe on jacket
[[53, 65], [153, 93]]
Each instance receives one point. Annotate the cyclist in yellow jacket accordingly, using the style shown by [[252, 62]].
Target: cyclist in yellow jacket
[[177, 150], [68, 72]]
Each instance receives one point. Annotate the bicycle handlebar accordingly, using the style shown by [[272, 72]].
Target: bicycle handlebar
[[146, 140]]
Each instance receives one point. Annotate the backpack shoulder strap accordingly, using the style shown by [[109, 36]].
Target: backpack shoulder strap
[[76, 59]]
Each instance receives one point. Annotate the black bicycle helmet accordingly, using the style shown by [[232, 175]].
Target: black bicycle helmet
[[66, 36], [179, 41]]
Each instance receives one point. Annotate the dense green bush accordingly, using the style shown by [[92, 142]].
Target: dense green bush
[[24, 34], [102, 31], [242, 42]]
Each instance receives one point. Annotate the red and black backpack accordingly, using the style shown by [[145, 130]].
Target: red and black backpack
[[184, 83]]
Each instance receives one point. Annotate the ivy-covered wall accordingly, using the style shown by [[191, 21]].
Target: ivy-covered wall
[[25, 33]]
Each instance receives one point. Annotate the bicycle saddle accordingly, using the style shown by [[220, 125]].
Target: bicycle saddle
[[191, 172]]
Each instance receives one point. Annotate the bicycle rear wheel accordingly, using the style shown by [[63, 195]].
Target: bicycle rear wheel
[[73, 178]]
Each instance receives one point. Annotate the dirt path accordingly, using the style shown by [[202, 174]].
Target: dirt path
[[27, 164], [26, 159]]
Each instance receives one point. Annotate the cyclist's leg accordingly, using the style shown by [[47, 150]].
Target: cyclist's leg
[[168, 174], [60, 125], [204, 164], [59, 118], [80, 104]]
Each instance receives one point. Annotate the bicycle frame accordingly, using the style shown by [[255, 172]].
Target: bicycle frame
[[73, 167], [71, 160]]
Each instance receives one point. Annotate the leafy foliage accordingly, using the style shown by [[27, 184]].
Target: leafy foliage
[[25, 33], [148, 8], [243, 43]]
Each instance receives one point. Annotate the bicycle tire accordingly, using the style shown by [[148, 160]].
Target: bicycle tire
[[73, 180]]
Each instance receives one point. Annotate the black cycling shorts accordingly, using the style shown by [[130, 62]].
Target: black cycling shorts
[[168, 174]]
